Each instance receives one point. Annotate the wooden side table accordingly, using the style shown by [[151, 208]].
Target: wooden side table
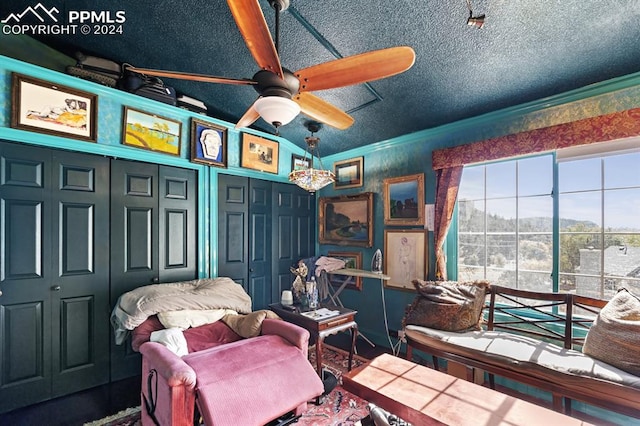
[[321, 328]]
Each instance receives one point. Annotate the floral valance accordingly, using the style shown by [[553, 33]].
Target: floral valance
[[602, 128]]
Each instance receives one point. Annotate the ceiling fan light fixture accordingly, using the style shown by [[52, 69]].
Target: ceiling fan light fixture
[[277, 110]]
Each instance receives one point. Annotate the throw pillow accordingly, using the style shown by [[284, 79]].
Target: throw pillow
[[447, 305], [614, 336], [249, 325]]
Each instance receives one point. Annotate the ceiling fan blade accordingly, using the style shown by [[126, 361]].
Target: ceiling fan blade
[[321, 110], [190, 76], [356, 69], [249, 117], [255, 31]]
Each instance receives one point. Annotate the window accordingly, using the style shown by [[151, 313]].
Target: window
[[507, 231]]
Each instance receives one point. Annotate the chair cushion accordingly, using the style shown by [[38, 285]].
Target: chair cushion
[[248, 325], [614, 336]]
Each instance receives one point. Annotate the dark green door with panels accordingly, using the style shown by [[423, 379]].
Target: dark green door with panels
[[263, 228]]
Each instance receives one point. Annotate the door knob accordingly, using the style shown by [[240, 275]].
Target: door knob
[[55, 288], [250, 269], [0, 292], [155, 280]]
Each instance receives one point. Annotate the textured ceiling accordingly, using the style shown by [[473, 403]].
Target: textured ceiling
[[527, 50]]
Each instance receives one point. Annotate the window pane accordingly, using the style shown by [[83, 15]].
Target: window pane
[[535, 252], [579, 175], [501, 251], [621, 257], [470, 273], [621, 210], [535, 176], [471, 251], [471, 216], [580, 211], [535, 281], [580, 253], [622, 171], [501, 179], [472, 183], [501, 215], [535, 214]]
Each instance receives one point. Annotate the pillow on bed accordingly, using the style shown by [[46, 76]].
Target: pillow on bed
[[249, 325], [191, 318], [447, 305], [614, 336]]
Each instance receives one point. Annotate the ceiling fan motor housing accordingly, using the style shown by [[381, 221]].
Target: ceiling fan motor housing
[[269, 84]]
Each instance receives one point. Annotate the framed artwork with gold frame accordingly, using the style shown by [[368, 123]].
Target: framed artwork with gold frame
[[346, 220], [405, 257], [259, 153], [404, 200]]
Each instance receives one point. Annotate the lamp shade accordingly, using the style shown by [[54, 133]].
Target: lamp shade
[[276, 110]]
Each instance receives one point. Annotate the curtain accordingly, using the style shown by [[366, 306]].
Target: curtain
[[447, 183], [448, 162]]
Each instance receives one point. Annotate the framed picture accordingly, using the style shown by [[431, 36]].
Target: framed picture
[[353, 260], [208, 143], [404, 200], [346, 220], [149, 131], [259, 153], [44, 107], [298, 162], [405, 257], [348, 173]]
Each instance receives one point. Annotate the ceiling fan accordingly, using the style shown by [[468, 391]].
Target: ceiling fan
[[282, 93]]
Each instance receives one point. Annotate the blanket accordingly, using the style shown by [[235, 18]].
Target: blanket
[[135, 306]]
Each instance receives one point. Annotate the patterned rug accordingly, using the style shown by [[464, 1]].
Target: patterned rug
[[339, 408]]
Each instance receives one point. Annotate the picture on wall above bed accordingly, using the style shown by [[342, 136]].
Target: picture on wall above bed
[[405, 257], [346, 220], [208, 143], [404, 200], [152, 132], [44, 107], [259, 153]]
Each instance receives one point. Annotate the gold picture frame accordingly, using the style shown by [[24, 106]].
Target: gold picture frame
[[346, 220], [259, 153], [404, 200], [405, 257], [53, 109], [151, 132]]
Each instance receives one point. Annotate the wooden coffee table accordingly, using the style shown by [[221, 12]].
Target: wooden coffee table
[[321, 328], [423, 396]]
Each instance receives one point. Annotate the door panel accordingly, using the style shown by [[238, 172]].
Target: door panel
[[177, 224], [233, 224], [260, 240], [25, 303], [80, 272]]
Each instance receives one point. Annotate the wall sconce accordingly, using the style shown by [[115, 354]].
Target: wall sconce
[[474, 21]]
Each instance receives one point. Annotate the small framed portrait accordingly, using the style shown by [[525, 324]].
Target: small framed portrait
[[346, 220], [348, 173], [405, 257], [152, 132], [259, 153], [208, 143], [404, 200], [352, 260], [53, 109], [298, 162]]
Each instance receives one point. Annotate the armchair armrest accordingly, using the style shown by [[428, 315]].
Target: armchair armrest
[[171, 367], [297, 335]]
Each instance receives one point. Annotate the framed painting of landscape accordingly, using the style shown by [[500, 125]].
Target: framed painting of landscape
[[404, 200], [149, 131], [346, 220], [352, 260]]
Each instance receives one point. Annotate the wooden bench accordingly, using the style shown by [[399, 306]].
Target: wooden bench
[[536, 338], [422, 396]]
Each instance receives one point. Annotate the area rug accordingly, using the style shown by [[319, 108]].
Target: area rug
[[339, 408]]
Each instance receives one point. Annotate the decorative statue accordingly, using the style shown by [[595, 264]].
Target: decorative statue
[[299, 284]]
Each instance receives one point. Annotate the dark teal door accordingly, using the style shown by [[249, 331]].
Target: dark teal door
[[54, 273], [260, 238]]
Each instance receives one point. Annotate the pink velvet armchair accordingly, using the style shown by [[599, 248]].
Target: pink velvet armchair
[[233, 380]]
